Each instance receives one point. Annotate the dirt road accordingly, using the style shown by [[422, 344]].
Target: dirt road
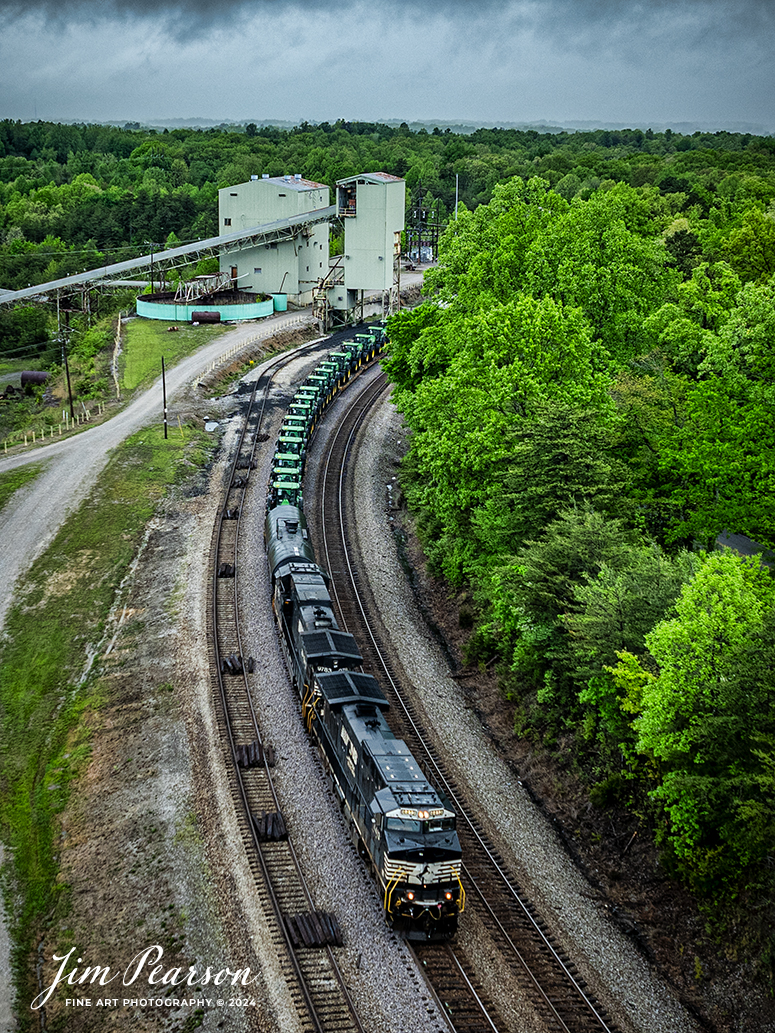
[[34, 514]]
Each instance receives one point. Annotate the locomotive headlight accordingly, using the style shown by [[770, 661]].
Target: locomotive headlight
[[448, 896], [410, 896]]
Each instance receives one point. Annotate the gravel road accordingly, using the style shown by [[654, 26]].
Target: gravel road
[[35, 514]]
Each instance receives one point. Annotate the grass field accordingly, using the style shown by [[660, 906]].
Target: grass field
[[147, 340], [47, 688], [13, 480]]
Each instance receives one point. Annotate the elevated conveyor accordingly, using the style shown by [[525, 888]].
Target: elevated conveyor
[[269, 233]]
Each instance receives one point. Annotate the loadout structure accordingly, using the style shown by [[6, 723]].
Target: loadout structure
[[371, 206], [291, 266], [274, 241]]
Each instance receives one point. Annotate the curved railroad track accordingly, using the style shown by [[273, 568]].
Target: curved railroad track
[[302, 937], [538, 964]]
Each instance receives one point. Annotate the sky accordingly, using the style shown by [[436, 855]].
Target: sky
[[625, 62]]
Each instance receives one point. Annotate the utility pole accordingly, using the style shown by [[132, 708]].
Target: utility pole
[[67, 367], [164, 395]]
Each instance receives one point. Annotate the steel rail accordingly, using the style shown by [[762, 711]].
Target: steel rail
[[266, 378], [584, 998]]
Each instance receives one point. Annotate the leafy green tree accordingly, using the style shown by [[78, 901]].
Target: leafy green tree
[[22, 328], [509, 357], [528, 596], [482, 253], [722, 457], [751, 248], [703, 717], [560, 456], [418, 346], [603, 256], [612, 613]]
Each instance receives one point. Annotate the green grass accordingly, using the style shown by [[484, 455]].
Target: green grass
[[13, 480], [45, 699], [147, 340]]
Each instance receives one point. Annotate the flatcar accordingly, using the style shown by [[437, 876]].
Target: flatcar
[[400, 823]]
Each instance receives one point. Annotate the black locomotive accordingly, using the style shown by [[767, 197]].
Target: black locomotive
[[399, 821]]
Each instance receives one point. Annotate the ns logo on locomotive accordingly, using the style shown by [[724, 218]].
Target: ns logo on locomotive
[[404, 827]]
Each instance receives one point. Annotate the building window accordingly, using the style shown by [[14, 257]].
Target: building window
[[281, 195], [227, 222], [256, 269], [232, 195]]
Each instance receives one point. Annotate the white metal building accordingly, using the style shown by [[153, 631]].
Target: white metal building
[[292, 266], [371, 205]]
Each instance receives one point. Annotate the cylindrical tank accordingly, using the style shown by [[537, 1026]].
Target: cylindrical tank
[[31, 378], [205, 317]]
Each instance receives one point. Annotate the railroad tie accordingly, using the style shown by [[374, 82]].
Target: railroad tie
[[232, 664], [307, 933], [255, 755], [313, 929], [270, 827]]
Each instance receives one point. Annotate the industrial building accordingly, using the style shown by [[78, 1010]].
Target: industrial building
[[272, 247], [371, 207], [293, 266]]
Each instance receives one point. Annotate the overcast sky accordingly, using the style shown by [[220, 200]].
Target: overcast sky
[[487, 61]]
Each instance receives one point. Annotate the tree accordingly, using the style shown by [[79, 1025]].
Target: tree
[[603, 256], [529, 594], [612, 613], [751, 249], [501, 362], [560, 456], [703, 717]]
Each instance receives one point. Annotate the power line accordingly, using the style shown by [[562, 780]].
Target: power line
[[83, 251]]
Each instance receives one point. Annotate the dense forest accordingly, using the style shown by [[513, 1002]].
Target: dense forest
[[590, 387], [75, 196]]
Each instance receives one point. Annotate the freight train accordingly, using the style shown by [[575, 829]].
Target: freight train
[[400, 823]]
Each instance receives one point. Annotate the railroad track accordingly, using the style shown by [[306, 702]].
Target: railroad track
[[302, 937], [538, 964]]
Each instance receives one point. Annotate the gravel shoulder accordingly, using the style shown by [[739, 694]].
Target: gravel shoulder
[[618, 974]]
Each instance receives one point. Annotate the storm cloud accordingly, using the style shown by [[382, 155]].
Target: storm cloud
[[490, 61]]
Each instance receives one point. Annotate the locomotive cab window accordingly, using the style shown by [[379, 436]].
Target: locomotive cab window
[[415, 825], [404, 825]]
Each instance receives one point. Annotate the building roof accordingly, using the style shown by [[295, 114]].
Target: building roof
[[372, 177], [293, 182]]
